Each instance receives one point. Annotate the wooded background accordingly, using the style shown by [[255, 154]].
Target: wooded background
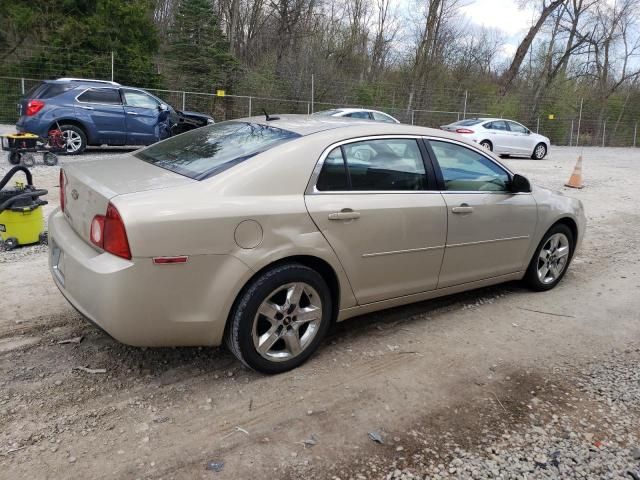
[[423, 62]]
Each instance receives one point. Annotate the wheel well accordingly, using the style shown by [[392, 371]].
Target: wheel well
[[325, 270], [486, 141], [569, 222], [75, 123]]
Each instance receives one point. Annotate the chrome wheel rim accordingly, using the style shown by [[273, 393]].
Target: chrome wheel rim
[[553, 258], [287, 321], [73, 141], [540, 151]]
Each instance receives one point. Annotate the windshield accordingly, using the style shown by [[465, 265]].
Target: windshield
[[206, 151]]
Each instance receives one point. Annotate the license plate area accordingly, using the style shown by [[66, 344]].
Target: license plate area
[[57, 263]]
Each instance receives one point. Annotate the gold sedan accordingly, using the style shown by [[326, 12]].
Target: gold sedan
[[262, 232]]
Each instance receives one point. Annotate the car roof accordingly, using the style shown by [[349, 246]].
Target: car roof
[[83, 81], [347, 127]]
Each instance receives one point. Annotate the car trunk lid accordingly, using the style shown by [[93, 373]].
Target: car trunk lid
[[90, 186]]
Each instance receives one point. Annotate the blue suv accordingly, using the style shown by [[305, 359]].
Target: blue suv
[[98, 112]]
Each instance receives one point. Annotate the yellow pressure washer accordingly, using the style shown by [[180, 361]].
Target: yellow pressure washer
[[21, 218]]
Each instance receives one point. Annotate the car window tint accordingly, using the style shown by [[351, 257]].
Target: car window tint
[[139, 99], [364, 115], [468, 122], [51, 90], [497, 125], [464, 169], [333, 176], [381, 117], [516, 127], [385, 164], [206, 151], [100, 95]]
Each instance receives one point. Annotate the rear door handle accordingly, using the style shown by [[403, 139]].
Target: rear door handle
[[463, 208], [344, 214], [86, 108]]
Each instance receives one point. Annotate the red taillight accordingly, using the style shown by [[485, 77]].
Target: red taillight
[[108, 233], [63, 179], [464, 130], [33, 107]]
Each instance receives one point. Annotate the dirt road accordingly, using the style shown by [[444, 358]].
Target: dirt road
[[455, 368]]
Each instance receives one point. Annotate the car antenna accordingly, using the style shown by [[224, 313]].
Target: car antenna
[[268, 118]]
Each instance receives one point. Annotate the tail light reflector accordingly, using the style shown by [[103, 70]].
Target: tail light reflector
[[464, 130], [33, 107], [108, 232], [63, 182]]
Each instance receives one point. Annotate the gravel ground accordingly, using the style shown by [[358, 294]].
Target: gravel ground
[[496, 383]]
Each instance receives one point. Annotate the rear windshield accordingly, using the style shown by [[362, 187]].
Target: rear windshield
[[48, 90], [206, 151], [327, 113], [468, 122]]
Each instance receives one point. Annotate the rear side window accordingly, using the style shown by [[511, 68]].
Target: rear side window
[[108, 96], [47, 90], [374, 165], [497, 125], [364, 115], [206, 151]]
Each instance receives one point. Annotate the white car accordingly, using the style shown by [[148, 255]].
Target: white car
[[502, 137], [361, 113]]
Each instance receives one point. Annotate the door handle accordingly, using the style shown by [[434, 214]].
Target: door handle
[[344, 214], [463, 208], [86, 108], [133, 113]]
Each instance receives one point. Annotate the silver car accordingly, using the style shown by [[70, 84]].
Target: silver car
[[361, 113], [502, 137], [262, 232]]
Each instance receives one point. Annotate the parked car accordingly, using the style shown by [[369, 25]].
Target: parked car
[[97, 112], [502, 137], [261, 233], [361, 113]]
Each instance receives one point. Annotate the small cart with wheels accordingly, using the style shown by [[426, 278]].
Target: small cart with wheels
[[22, 147]]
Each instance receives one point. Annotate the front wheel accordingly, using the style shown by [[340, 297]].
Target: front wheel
[[539, 152], [551, 259], [280, 319]]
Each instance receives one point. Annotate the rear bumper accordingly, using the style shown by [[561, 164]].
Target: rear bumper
[[142, 304], [32, 125]]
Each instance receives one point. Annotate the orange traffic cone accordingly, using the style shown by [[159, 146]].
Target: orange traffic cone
[[575, 181]]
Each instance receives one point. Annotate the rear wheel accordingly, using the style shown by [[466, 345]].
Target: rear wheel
[[280, 319], [551, 259], [50, 159], [539, 152], [75, 140], [486, 144], [28, 159]]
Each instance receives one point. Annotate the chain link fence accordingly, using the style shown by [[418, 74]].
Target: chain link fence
[[573, 128]]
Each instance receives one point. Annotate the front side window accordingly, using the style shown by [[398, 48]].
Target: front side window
[[206, 151], [466, 170], [381, 117], [109, 96], [516, 127], [374, 165], [139, 99]]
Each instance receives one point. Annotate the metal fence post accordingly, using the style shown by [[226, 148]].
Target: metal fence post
[[635, 133], [579, 122], [312, 91], [112, 65], [250, 106], [22, 85], [571, 134], [538, 125], [184, 100], [466, 95], [604, 129], [412, 116]]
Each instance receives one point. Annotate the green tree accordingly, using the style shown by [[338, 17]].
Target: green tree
[[198, 55]]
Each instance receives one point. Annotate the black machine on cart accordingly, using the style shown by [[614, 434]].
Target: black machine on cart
[[22, 147]]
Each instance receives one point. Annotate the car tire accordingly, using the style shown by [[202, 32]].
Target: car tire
[[539, 152], [487, 144], [283, 293], [50, 159], [543, 272], [75, 139]]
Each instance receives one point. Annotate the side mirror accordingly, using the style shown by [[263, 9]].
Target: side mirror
[[520, 184], [162, 107], [527, 131]]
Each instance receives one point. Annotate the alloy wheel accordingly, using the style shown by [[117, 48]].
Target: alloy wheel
[[72, 141], [540, 151], [553, 258], [287, 321]]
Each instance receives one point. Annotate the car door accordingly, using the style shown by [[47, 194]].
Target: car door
[[489, 228], [375, 202], [521, 142], [142, 116], [101, 109], [498, 134]]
